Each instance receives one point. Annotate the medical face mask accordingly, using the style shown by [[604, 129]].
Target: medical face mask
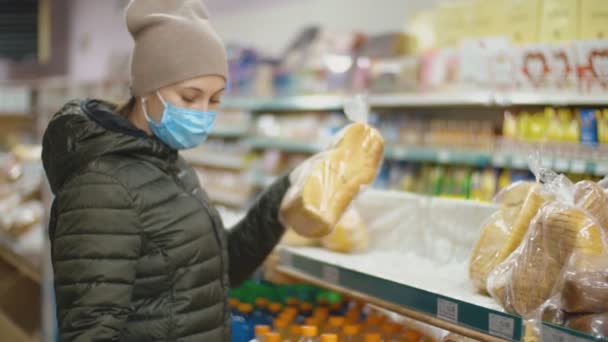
[[181, 128]]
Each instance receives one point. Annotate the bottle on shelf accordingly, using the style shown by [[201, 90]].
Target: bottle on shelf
[[272, 337], [281, 326], [259, 315], [391, 332], [295, 332], [289, 314], [293, 302], [372, 337], [373, 323], [309, 333], [260, 331], [241, 323], [351, 333], [305, 312], [312, 321], [329, 338], [411, 335], [274, 308], [334, 325]]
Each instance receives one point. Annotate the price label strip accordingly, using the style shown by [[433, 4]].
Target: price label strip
[[578, 166], [331, 274], [562, 165], [443, 156], [501, 326], [551, 334], [447, 310], [601, 168]]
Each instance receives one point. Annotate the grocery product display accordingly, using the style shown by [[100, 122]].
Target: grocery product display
[[468, 204], [308, 313]]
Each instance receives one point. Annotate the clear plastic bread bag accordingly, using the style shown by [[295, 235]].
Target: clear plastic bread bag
[[503, 231], [562, 234], [350, 234], [324, 186]]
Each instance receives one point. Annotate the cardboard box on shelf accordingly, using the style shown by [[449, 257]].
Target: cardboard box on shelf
[[592, 61], [523, 18], [593, 18], [559, 21], [489, 18], [546, 67]]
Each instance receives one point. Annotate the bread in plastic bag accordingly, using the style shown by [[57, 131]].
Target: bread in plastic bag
[[326, 184], [350, 234], [584, 285], [290, 238], [557, 232], [505, 230], [591, 196], [591, 324]]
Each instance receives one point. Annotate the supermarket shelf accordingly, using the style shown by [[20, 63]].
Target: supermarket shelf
[[283, 145], [229, 199], [287, 103], [396, 100], [440, 156], [215, 160], [468, 319], [228, 133], [431, 99], [599, 168]]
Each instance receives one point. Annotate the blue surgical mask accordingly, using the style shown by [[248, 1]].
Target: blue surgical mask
[[181, 128]]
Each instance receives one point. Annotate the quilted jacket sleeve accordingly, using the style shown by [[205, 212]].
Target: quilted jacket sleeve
[[95, 245], [254, 237]]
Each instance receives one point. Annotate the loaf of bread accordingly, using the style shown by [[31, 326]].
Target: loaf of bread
[[350, 234], [555, 234], [505, 230], [591, 197], [317, 205], [584, 285], [590, 324], [292, 239]]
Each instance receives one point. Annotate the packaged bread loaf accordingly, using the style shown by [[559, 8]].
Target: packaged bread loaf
[[505, 230], [350, 234], [591, 196], [326, 187], [555, 235], [584, 284], [591, 324]]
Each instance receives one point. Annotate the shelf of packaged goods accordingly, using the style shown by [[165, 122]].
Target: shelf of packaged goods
[[474, 320], [227, 133], [283, 145], [535, 98], [286, 103], [440, 156], [214, 160], [398, 100]]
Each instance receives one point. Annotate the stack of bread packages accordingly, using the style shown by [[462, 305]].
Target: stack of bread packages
[[319, 204], [544, 254]]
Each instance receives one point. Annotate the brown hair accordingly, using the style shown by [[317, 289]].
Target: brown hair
[[126, 108]]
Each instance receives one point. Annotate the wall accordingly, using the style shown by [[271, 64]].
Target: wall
[[271, 27], [98, 33], [98, 36]]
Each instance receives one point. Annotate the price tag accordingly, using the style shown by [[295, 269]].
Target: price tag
[[578, 166], [443, 156], [562, 164], [601, 168], [501, 326], [447, 310], [331, 274], [286, 259], [551, 334]]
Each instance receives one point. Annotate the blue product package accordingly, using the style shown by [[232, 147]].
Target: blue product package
[[588, 119]]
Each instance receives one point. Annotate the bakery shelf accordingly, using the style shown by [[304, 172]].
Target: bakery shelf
[[476, 320], [286, 103]]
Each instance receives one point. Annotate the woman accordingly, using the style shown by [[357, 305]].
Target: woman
[[138, 252]]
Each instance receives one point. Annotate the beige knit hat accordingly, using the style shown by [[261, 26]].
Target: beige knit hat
[[174, 42]]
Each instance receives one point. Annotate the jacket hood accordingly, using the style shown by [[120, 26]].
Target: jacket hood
[[84, 130]]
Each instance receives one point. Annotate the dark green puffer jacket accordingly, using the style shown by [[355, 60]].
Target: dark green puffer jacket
[[138, 252]]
